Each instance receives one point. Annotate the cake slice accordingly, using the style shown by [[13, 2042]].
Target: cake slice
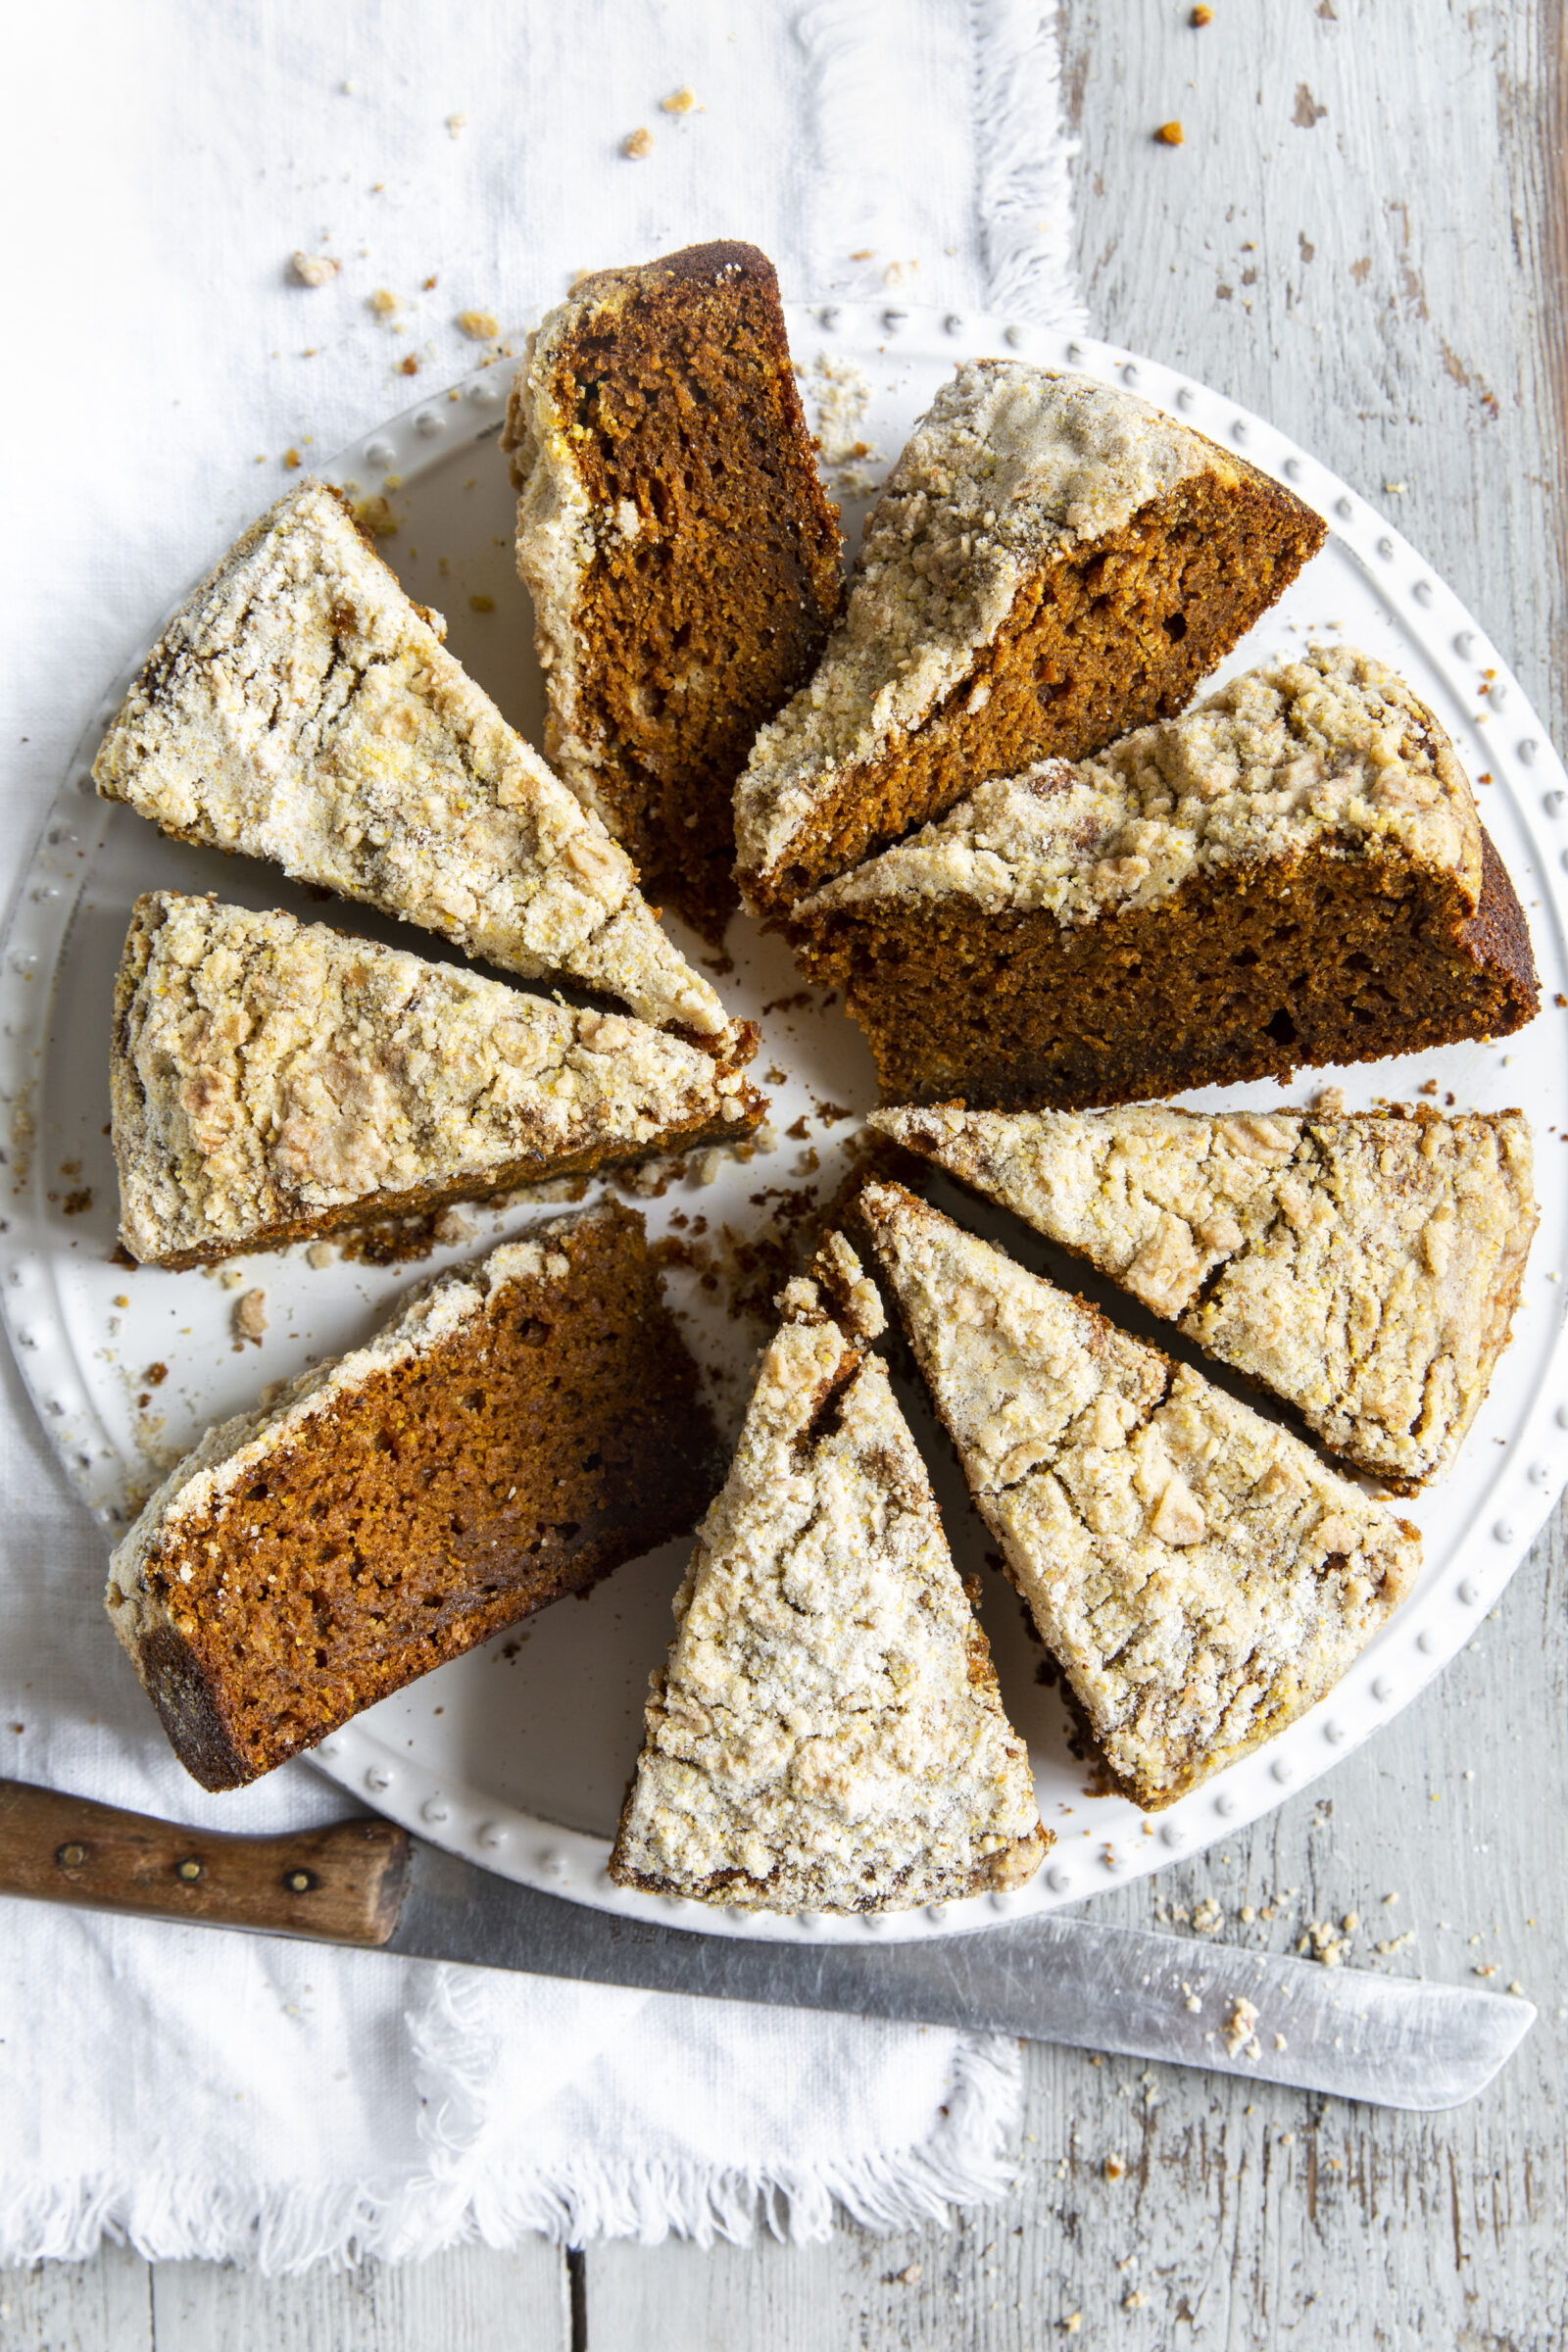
[[1050, 564], [1362, 1269], [300, 709], [272, 1081], [827, 1734], [1197, 1574], [1294, 872], [519, 1429], [681, 554]]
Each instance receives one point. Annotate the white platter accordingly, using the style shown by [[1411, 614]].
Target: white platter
[[517, 1754]]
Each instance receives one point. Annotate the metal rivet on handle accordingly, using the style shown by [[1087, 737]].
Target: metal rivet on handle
[[484, 395], [1422, 592], [1185, 397], [378, 1777], [1469, 1591], [1498, 695], [1503, 1532], [190, 1870], [936, 1913], [70, 1857], [1464, 644], [1526, 751], [492, 1835], [1075, 355], [1225, 1804], [893, 320], [1333, 1733], [1383, 1689], [427, 423], [955, 327], [1173, 1834], [1059, 1880], [1238, 428], [1553, 803], [1012, 335], [1426, 1641], [1292, 470], [1282, 1769], [1129, 371], [434, 1808], [1386, 550], [828, 315], [378, 453], [1344, 510]]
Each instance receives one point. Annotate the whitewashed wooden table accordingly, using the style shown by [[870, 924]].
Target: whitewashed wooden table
[[1364, 236]]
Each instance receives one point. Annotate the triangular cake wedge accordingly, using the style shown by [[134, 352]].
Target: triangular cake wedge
[[272, 1081], [299, 707], [1363, 1267], [518, 1430], [1294, 872], [1050, 563], [827, 1734], [681, 553], [1199, 1576]]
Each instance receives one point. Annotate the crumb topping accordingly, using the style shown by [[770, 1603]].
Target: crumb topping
[[1010, 465], [1363, 1267], [300, 709], [1199, 1575], [1329, 751], [266, 1069], [827, 1733]]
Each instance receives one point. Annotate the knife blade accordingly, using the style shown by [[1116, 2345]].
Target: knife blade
[[1390, 2040]]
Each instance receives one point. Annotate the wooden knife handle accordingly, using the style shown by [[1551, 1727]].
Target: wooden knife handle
[[339, 1884]]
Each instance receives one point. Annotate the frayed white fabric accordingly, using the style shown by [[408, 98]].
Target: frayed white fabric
[[1022, 157], [244, 2098]]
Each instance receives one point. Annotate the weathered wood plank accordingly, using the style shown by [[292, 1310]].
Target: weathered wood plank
[[104, 2305], [471, 2300]]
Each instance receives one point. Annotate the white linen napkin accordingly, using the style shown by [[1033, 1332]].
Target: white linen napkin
[[249, 2098]]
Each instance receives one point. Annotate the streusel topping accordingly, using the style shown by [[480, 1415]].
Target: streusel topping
[[1363, 1267], [300, 709], [1330, 752], [266, 1069], [1199, 1572], [827, 1733]]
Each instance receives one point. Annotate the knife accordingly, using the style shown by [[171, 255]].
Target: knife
[[366, 1884]]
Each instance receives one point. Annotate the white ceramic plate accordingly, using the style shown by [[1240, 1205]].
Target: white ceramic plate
[[518, 1753]]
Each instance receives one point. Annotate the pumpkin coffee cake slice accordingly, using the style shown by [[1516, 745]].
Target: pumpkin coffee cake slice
[[827, 1733], [272, 1081], [1198, 1575], [1050, 563], [521, 1428], [300, 709], [1293, 872], [1363, 1267], [681, 553]]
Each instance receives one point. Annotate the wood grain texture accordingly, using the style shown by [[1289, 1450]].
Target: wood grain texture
[[1364, 236], [342, 1883]]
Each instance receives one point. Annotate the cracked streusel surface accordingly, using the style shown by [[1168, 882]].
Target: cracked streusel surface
[[827, 1733], [1364, 1268], [300, 709], [272, 1078], [1199, 1574]]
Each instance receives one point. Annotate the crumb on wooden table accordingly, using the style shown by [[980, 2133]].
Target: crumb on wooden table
[[478, 325], [1170, 134], [638, 143], [384, 301], [315, 269], [679, 102]]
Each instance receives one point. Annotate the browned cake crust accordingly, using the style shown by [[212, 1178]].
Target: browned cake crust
[[683, 557], [1234, 978], [443, 1489]]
